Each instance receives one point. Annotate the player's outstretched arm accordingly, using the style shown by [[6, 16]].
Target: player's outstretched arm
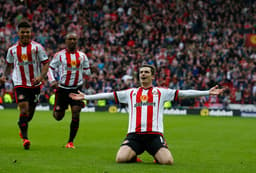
[[79, 96], [82, 96], [215, 91], [196, 93]]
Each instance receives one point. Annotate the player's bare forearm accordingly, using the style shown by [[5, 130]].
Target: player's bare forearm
[[54, 84], [45, 70], [8, 69], [40, 78]]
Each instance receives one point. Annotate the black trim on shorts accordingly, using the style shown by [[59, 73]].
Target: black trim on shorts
[[30, 95], [62, 99], [145, 142]]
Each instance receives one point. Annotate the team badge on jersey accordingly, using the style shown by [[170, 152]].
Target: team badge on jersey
[[24, 57], [154, 92], [144, 98], [73, 63]]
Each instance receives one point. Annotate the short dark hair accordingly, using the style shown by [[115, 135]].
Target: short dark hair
[[153, 69], [24, 24], [70, 33]]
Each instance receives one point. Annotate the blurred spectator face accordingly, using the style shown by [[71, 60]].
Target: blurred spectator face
[[71, 41], [24, 35]]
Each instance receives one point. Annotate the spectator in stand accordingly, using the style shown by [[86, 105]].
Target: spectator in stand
[[201, 34]]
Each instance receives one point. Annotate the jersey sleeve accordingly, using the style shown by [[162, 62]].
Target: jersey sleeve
[[122, 96], [86, 66], [50, 75], [169, 94], [42, 54], [55, 62], [9, 56]]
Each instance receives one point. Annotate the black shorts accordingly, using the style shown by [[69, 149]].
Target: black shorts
[[62, 99], [30, 95], [141, 142]]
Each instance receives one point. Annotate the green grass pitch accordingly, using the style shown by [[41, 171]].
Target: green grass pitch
[[198, 144]]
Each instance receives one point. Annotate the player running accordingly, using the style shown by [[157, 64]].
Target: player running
[[29, 63], [71, 66]]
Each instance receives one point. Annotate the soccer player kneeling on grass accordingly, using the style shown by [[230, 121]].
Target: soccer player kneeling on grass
[[146, 105]]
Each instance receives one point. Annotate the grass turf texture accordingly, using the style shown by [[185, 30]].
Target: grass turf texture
[[198, 144]]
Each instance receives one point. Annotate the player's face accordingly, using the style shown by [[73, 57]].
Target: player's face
[[71, 42], [146, 76], [24, 35]]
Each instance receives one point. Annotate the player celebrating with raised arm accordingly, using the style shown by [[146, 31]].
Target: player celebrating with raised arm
[[71, 66], [29, 63], [146, 105]]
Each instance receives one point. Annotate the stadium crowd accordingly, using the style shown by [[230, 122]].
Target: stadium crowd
[[194, 44]]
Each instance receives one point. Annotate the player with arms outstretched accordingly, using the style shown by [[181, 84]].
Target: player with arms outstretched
[[146, 105]]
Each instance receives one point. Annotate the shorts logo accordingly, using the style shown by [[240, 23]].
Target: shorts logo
[[21, 97], [57, 107], [24, 57], [126, 142], [144, 98], [161, 139]]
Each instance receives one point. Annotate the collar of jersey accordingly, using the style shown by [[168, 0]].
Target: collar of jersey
[[71, 52], [24, 45], [147, 87]]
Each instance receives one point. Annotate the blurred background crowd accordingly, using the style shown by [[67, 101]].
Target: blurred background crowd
[[194, 44]]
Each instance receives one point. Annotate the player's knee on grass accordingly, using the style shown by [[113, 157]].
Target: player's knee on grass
[[164, 156], [121, 159], [125, 154], [165, 161]]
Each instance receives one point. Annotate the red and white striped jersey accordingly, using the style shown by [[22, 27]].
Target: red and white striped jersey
[[70, 68], [27, 63], [146, 106]]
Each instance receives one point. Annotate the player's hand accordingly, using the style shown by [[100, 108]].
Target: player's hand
[[215, 91], [2, 79], [54, 84], [79, 96], [37, 80]]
